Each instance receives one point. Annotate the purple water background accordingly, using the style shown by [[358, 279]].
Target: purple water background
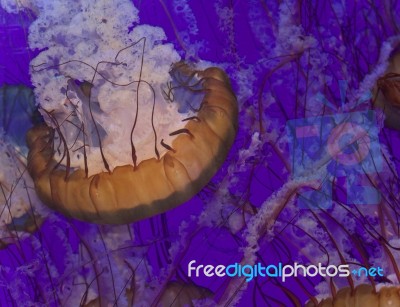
[[278, 56]]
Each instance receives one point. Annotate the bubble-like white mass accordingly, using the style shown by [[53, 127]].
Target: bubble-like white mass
[[86, 81]]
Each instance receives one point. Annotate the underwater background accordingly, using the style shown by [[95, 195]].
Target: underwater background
[[277, 198]]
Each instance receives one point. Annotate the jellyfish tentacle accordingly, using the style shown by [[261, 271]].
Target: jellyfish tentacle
[[168, 147], [134, 157], [191, 118], [180, 131]]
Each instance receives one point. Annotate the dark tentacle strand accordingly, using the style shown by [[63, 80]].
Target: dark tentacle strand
[[195, 118], [180, 131], [167, 146]]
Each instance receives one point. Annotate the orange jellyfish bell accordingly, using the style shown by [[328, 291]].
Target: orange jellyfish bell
[[387, 92], [130, 193]]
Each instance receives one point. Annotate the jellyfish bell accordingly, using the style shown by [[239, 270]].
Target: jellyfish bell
[[180, 294], [362, 296], [388, 92], [173, 294], [133, 191]]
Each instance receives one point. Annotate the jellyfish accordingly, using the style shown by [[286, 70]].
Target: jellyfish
[[132, 192], [387, 92], [364, 295], [21, 212], [114, 151]]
